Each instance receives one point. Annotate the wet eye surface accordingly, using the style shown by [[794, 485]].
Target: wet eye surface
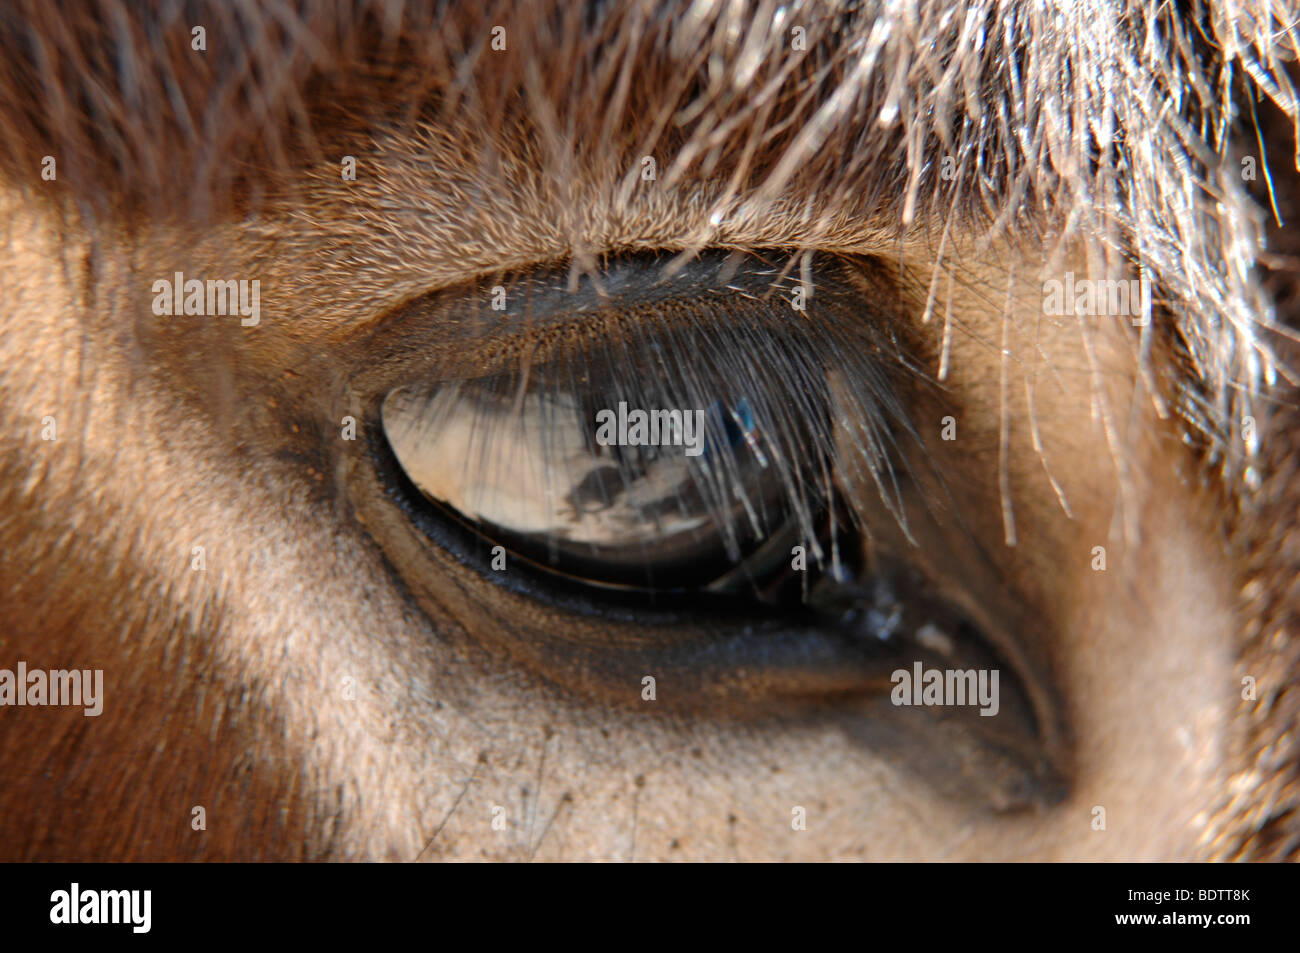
[[654, 470], [705, 474]]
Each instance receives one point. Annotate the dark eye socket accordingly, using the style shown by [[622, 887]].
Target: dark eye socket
[[772, 568]]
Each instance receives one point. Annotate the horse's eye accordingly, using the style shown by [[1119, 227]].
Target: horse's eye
[[704, 430], [617, 472], [694, 439]]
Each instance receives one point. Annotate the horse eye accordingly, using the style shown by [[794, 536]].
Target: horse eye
[[655, 470], [721, 470]]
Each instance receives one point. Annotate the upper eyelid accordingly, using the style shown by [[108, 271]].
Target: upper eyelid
[[458, 325], [540, 300]]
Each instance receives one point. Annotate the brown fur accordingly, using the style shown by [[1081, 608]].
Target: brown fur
[[220, 685]]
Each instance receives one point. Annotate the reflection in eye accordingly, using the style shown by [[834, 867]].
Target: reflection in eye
[[621, 473]]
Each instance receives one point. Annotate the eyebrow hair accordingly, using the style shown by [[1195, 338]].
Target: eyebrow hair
[[1113, 124]]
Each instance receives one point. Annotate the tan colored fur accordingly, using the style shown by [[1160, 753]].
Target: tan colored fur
[[224, 686]]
